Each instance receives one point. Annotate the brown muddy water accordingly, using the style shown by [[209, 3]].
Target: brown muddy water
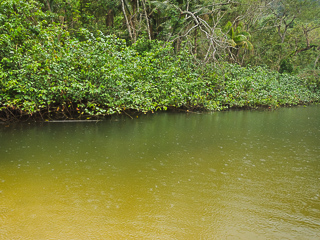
[[228, 175]]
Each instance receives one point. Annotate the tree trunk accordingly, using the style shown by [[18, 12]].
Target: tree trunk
[[109, 18], [127, 21], [147, 19], [195, 42], [133, 19], [48, 5]]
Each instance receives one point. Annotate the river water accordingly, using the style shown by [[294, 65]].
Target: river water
[[227, 175]]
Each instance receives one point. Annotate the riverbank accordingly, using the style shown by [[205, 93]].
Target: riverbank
[[103, 76], [48, 72], [56, 116]]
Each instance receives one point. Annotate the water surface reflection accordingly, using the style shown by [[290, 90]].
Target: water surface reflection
[[230, 175]]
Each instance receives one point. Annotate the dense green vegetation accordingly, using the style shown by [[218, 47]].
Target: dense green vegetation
[[83, 59]]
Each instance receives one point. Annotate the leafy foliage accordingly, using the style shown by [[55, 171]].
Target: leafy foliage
[[285, 66], [47, 72], [238, 37]]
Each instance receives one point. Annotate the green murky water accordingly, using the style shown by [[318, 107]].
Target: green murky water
[[230, 175]]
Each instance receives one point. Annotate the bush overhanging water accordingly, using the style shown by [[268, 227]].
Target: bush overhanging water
[[102, 76], [47, 73]]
